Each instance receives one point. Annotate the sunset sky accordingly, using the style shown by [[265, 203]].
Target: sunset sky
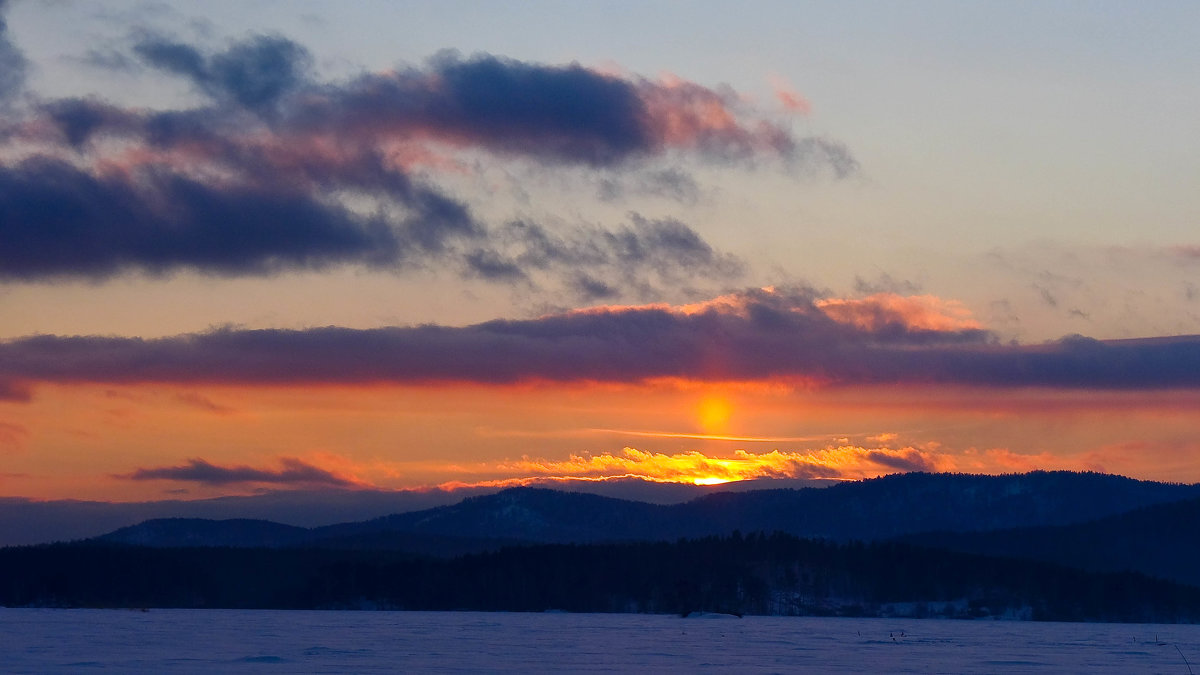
[[260, 245]]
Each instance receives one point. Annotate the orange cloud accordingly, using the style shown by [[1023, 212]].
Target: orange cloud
[[872, 313], [687, 115], [789, 97], [919, 312], [840, 462]]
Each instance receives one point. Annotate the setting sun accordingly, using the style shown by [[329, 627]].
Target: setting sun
[[712, 480]]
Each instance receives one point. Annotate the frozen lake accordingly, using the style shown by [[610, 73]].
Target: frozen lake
[[230, 641]]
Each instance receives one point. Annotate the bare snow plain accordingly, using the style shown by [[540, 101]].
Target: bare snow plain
[[261, 641]]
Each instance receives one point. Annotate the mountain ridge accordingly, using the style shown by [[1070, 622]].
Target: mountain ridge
[[1160, 540], [875, 509]]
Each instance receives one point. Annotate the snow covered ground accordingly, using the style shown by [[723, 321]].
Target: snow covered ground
[[209, 641]]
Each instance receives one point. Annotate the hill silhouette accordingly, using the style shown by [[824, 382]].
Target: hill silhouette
[[880, 508], [1160, 541]]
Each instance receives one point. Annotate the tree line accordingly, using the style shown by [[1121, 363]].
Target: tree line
[[775, 574]]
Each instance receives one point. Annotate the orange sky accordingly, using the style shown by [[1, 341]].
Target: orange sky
[[87, 441]]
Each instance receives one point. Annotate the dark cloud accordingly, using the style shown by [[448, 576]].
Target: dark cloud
[[61, 221], [754, 335], [202, 402], [587, 286], [292, 472], [818, 154], [905, 460], [1047, 297], [640, 257], [278, 171], [553, 114], [885, 283], [566, 112], [254, 73], [11, 390], [78, 120], [12, 62], [673, 184], [174, 57]]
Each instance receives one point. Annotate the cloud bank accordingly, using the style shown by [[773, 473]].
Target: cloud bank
[[835, 462], [292, 472], [753, 335], [278, 170]]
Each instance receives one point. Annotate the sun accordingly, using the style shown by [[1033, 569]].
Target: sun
[[713, 413]]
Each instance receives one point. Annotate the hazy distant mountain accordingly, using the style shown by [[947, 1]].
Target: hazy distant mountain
[[181, 532], [26, 521], [244, 533], [874, 509], [1161, 540]]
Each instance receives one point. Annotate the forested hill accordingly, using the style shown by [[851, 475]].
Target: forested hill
[[1161, 540], [795, 551], [866, 510], [754, 574]]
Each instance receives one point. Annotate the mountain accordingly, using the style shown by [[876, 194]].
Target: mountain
[[1062, 546], [874, 509], [264, 534], [182, 532], [27, 521], [899, 504], [1161, 541]]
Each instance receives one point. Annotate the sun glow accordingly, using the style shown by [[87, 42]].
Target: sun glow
[[713, 413], [832, 462], [713, 480]]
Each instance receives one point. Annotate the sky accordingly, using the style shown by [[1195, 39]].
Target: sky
[[267, 245]]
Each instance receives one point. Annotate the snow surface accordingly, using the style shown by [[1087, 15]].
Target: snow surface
[[230, 641]]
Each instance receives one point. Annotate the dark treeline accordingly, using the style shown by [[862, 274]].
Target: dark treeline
[[756, 574], [1161, 540]]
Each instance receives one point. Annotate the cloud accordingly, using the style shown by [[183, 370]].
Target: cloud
[[254, 74], [12, 62], [566, 114], [905, 459], [1185, 253], [833, 462], [62, 221], [11, 390], [885, 283], [201, 402], [672, 183], [276, 170], [788, 97], [599, 263], [753, 335], [291, 472], [887, 311]]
